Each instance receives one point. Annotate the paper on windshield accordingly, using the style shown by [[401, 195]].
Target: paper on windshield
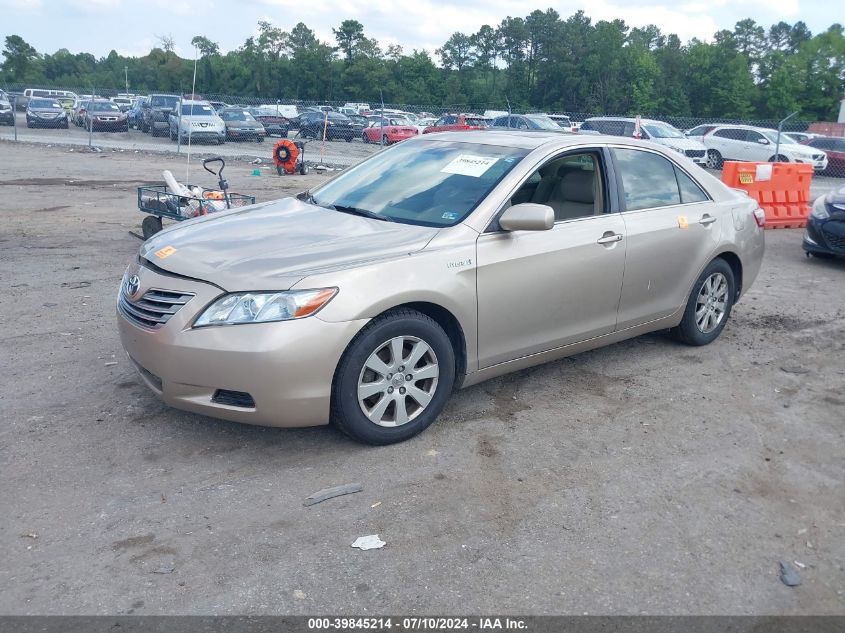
[[469, 165]]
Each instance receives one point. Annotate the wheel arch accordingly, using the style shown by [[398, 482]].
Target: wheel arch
[[735, 263], [445, 319]]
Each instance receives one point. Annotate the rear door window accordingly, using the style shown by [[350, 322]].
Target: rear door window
[[648, 179], [690, 191], [731, 134]]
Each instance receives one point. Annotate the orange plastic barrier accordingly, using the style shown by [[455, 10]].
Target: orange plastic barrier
[[785, 197]]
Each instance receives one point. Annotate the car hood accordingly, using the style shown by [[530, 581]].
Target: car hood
[[272, 246], [803, 150]]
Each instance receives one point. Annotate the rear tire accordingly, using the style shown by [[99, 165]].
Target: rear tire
[[709, 305], [780, 158], [398, 408], [714, 159]]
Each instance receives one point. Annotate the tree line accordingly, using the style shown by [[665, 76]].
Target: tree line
[[539, 62]]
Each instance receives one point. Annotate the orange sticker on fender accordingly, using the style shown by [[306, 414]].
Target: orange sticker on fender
[[682, 222], [165, 252]]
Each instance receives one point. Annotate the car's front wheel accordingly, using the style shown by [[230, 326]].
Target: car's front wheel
[[394, 379], [709, 305]]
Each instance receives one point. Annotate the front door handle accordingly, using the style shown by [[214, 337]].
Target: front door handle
[[609, 238], [707, 219]]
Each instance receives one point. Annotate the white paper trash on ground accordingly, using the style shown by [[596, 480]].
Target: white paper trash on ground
[[369, 542]]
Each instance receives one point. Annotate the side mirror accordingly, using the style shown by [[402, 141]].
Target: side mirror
[[527, 216], [763, 141]]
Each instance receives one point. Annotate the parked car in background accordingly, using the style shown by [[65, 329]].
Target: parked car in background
[[219, 105], [458, 123], [389, 130], [359, 123], [834, 147], [105, 115], [287, 111], [241, 125], [562, 120], [78, 114], [824, 236], [136, 113], [756, 144], [38, 93], [124, 103], [68, 103], [45, 113], [196, 121], [7, 114], [274, 123], [331, 125], [800, 137], [525, 122], [700, 130], [425, 122], [157, 111], [650, 130], [438, 263]]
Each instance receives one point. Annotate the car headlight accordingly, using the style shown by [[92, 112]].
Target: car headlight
[[265, 307], [820, 211]]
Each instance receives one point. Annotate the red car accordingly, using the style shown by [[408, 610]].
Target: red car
[[834, 147], [458, 123], [391, 131]]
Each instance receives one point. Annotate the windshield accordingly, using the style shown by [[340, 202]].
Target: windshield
[[103, 107], [543, 122], [429, 183], [44, 103], [773, 137], [197, 109], [237, 115], [163, 101], [476, 122], [660, 130]]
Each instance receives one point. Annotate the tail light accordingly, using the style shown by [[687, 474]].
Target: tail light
[[759, 217]]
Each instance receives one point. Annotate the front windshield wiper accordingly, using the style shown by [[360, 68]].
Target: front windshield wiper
[[307, 197]]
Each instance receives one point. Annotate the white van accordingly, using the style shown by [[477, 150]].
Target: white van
[[39, 93]]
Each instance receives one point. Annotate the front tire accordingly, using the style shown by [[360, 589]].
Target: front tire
[[709, 305], [394, 378]]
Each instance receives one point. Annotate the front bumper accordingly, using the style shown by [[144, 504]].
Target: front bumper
[[204, 135], [825, 236], [37, 121], [286, 367], [235, 134], [114, 125], [8, 117]]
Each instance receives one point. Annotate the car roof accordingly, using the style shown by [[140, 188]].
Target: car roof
[[746, 127], [628, 119]]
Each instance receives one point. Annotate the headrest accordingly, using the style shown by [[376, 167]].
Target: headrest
[[577, 186]]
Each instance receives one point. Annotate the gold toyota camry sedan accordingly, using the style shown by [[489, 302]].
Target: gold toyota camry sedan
[[435, 264]]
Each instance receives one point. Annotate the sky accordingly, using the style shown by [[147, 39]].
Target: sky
[[132, 27]]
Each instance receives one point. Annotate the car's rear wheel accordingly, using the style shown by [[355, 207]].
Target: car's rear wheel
[[780, 158], [364, 137], [709, 305], [714, 159], [394, 378]]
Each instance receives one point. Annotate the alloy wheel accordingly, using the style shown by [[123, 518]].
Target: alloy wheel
[[398, 381], [711, 303]]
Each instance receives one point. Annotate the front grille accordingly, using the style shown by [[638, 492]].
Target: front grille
[[233, 398], [836, 242], [695, 153], [155, 308]]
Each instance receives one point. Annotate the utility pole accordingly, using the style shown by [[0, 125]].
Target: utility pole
[[780, 127], [126, 78]]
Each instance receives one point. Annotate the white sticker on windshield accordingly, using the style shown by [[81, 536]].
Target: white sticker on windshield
[[469, 165]]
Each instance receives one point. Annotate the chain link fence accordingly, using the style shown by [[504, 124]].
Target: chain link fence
[[341, 134]]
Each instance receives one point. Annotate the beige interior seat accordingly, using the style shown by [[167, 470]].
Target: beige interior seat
[[574, 195]]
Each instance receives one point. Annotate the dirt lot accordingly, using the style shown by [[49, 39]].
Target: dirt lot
[[646, 477]]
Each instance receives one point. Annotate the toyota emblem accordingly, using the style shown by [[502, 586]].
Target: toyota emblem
[[133, 284]]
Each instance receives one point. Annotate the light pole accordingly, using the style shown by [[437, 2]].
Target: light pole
[[126, 78], [780, 127]]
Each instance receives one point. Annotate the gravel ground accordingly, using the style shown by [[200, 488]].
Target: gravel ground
[[645, 477]]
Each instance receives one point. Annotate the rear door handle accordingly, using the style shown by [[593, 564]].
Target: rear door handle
[[609, 239], [707, 219]]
